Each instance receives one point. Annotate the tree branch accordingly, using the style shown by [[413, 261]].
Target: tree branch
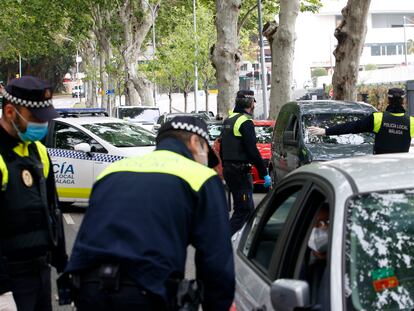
[[243, 20]]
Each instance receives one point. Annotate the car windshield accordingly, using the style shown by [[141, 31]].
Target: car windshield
[[122, 134], [328, 120], [380, 251], [264, 134], [140, 114], [214, 130], [201, 116]]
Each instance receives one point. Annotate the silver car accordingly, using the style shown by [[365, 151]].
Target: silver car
[[357, 255]]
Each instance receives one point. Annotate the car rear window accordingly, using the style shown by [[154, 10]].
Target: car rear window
[[140, 114], [325, 120], [122, 134], [380, 251]]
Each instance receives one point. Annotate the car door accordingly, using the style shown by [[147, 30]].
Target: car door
[[74, 170], [257, 244], [293, 258], [290, 143]]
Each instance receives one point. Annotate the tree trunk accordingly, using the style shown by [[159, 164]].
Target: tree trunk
[[132, 95], [351, 38], [185, 101], [226, 54], [206, 93], [283, 48], [104, 80], [170, 99], [136, 28]]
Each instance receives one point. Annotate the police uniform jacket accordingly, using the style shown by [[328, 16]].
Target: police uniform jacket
[[238, 141], [145, 211], [30, 225], [393, 130]]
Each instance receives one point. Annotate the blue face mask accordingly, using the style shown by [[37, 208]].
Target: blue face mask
[[34, 131]]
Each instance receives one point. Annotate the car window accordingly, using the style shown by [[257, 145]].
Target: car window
[[292, 129], [67, 136], [380, 251], [122, 134], [139, 114], [267, 226], [328, 120], [264, 134]]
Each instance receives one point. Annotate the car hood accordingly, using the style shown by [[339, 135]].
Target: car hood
[[134, 151], [326, 152], [265, 150]]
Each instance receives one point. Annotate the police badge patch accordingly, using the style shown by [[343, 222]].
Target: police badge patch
[[27, 178]]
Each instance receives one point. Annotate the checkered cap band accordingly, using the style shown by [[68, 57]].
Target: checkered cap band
[[26, 103], [190, 128]]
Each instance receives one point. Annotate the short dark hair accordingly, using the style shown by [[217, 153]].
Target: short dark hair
[[182, 136]]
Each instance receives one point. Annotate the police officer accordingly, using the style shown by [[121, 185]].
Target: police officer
[[393, 128], [238, 151], [31, 232], [143, 213]]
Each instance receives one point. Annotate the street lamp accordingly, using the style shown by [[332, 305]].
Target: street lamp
[[405, 43], [262, 60], [153, 9], [195, 58], [78, 60]]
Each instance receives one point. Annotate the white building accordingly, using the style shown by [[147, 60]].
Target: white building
[[384, 43]]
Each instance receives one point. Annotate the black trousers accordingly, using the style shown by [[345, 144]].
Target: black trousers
[[240, 182], [128, 297], [32, 289]]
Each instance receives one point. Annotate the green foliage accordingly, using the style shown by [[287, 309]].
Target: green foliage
[[319, 72], [377, 94], [370, 67]]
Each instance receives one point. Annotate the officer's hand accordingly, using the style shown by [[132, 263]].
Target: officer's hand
[[7, 302], [267, 181], [313, 130]]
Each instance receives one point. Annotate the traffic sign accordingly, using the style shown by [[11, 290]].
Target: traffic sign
[[109, 92]]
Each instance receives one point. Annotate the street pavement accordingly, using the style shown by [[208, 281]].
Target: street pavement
[[72, 221]]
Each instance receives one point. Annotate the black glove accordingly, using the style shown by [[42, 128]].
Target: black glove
[[65, 289]]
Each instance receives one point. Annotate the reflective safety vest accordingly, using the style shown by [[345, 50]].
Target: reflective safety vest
[[166, 162], [23, 199], [232, 146], [393, 132]]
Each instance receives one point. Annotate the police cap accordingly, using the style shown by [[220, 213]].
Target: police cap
[[193, 125], [32, 93], [244, 98], [396, 92]]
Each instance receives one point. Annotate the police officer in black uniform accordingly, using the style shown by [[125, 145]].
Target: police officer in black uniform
[[130, 252], [31, 232], [238, 151], [393, 128]]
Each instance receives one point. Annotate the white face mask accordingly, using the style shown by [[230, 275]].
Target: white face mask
[[318, 240]]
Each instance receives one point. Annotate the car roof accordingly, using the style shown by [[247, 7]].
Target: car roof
[[90, 119], [141, 107], [370, 173], [332, 106]]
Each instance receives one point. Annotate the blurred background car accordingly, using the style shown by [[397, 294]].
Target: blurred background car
[[365, 262], [169, 116], [214, 130], [83, 142], [143, 116], [78, 91]]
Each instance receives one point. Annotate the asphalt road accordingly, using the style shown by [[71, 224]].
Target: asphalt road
[[72, 222]]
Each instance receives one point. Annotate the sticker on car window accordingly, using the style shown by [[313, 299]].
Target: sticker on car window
[[384, 278]]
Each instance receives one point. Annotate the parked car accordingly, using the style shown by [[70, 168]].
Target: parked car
[[169, 116], [264, 130], [78, 91], [292, 146], [368, 258], [143, 116], [83, 142]]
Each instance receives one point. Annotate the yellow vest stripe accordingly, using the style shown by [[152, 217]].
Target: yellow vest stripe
[[412, 127], [163, 161], [236, 129], [43, 157], [4, 174]]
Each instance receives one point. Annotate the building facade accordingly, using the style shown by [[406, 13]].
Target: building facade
[[389, 41]]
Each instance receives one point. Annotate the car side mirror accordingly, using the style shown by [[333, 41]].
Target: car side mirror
[[83, 147], [289, 139], [288, 294]]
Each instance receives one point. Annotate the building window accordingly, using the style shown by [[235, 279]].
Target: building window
[[391, 49], [375, 50]]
